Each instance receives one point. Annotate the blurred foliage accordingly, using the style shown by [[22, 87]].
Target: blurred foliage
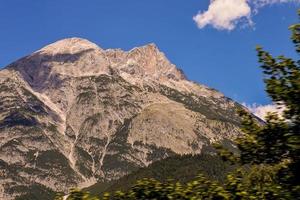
[[269, 154], [179, 168]]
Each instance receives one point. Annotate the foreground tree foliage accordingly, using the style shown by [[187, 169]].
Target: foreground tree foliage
[[269, 153]]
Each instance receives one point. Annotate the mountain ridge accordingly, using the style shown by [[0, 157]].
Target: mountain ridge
[[71, 49]]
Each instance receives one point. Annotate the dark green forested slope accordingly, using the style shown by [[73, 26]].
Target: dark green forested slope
[[179, 168]]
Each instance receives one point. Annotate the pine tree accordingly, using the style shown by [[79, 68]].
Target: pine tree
[[271, 151]]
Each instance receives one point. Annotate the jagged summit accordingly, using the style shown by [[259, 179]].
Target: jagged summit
[[149, 47], [79, 57], [75, 44]]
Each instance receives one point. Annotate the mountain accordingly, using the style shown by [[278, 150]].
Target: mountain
[[73, 114]]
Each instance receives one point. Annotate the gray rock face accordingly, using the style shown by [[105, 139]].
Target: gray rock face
[[72, 114]]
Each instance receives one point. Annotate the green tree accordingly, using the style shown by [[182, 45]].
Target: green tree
[[271, 151]]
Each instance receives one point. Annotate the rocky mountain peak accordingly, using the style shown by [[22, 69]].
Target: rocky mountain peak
[[77, 57], [152, 63], [69, 45]]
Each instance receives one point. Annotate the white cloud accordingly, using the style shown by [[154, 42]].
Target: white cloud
[[261, 111], [226, 14]]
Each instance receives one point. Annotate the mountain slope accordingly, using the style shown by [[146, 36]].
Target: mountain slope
[[73, 114]]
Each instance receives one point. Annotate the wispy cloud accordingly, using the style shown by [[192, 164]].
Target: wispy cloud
[[227, 14], [261, 111], [261, 3]]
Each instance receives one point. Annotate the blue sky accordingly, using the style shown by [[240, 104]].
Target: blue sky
[[215, 55]]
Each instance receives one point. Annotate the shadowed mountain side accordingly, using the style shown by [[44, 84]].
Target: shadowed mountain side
[[39, 70]]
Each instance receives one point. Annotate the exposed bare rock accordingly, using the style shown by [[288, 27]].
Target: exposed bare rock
[[72, 114]]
